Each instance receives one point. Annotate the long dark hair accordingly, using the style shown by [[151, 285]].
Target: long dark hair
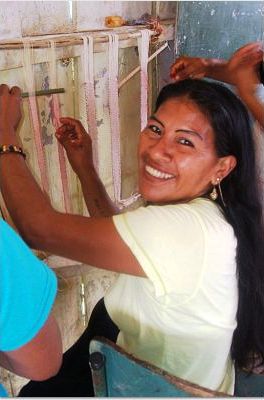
[[233, 136]]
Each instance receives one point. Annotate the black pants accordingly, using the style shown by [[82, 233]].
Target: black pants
[[74, 378]]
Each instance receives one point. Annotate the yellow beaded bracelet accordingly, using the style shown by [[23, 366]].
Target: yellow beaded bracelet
[[11, 148]]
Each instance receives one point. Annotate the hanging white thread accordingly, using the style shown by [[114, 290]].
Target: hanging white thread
[[30, 85], [114, 114], [114, 123], [89, 92], [56, 122], [143, 45]]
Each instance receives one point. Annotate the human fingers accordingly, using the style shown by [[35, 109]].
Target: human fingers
[[15, 91], [248, 51], [188, 67], [67, 135], [254, 46], [178, 67], [189, 72], [4, 103], [4, 89], [249, 60], [248, 55], [16, 105], [72, 122], [10, 105]]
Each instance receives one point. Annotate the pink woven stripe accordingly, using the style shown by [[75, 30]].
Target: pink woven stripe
[[114, 114], [114, 123], [143, 56], [38, 142], [55, 115], [89, 92], [62, 160], [33, 112]]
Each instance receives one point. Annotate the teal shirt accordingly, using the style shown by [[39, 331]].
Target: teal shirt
[[27, 292]]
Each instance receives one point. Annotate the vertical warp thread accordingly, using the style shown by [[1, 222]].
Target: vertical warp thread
[[33, 110], [143, 44], [114, 123], [114, 114], [89, 92], [56, 122]]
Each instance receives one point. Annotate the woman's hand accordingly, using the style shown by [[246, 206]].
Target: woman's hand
[[188, 67], [77, 143], [10, 112], [243, 66]]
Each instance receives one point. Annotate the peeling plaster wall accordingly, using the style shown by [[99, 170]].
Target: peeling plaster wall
[[45, 17], [33, 17], [218, 28]]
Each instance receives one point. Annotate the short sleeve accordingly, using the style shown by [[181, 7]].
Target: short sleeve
[[27, 291], [168, 242]]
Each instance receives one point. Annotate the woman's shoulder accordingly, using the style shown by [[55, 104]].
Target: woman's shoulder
[[200, 205], [186, 215]]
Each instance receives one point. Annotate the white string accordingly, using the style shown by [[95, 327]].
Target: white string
[[143, 45], [114, 114], [114, 123], [89, 92], [30, 85], [55, 110]]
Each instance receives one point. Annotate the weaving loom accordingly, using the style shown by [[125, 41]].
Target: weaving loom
[[84, 104]]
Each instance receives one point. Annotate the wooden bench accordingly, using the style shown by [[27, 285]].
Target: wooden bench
[[118, 374]]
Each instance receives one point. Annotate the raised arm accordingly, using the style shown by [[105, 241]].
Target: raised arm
[[241, 70], [94, 241], [78, 146], [198, 67], [243, 66]]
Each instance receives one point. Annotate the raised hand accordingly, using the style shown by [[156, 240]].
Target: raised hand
[[243, 66], [188, 67], [78, 146], [10, 110], [77, 143]]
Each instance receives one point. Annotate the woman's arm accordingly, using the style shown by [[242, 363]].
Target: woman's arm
[[93, 241], [78, 146], [241, 70], [196, 68], [243, 66]]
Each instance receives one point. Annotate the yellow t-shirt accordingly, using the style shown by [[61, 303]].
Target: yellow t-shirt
[[182, 316]]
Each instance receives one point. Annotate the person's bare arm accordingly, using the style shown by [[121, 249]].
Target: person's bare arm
[[253, 103], [243, 66], [197, 67], [241, 70], [94, 241], [40, 358], [78, 146]]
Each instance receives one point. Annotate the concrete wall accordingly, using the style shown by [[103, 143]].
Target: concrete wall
[[46, 17]]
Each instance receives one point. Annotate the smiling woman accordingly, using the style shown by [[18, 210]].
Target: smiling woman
[[190, 262], [177, 155]]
